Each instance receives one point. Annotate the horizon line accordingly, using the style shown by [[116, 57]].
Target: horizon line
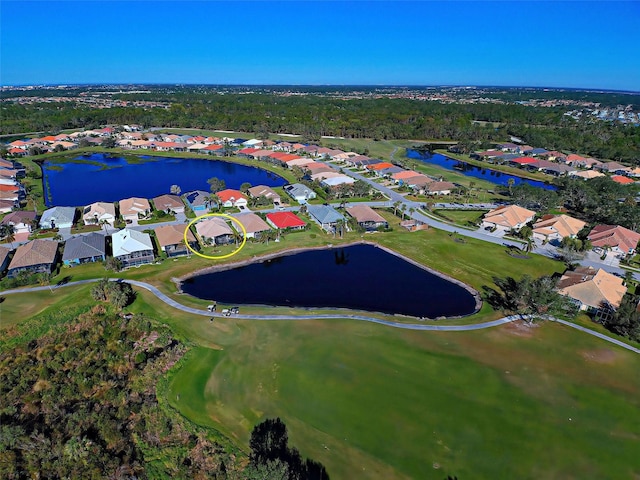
[[317, 85]]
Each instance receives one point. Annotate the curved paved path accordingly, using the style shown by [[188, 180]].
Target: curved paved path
[[389, 323]]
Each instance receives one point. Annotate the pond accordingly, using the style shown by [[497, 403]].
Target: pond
[[100, 177], [493, 176], [360, 277]]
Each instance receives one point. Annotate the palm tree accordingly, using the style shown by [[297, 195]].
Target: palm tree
[[209, 200], [103, 224], [8, 233], [175, 189], [510, 183], [396, 205], [237, 236]]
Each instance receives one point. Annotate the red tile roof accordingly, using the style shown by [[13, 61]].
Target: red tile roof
[[229, 194], [614, 236], [525, 160], [288, 157], [212, 147], [285, 220], [622, 180], [247, 151], [379, 166]]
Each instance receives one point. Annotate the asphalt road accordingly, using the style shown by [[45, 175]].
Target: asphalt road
[[389, 323]]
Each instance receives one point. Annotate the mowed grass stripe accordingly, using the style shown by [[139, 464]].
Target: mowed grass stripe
[[413, 400]]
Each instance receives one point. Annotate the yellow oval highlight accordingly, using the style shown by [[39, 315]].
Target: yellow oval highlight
[[218, 257]]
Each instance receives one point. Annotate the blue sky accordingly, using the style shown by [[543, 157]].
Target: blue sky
[[555, 44]]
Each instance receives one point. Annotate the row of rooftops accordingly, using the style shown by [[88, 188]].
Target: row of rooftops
[[128, 241], [558, 163], [561, 226]]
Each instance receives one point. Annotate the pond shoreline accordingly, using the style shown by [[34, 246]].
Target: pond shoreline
[[261, 259]]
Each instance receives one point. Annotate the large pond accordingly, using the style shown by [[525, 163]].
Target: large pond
[[99, 177], [361, 277], [493, 176]]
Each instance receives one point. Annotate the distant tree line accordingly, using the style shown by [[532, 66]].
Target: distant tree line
[[315, 116]]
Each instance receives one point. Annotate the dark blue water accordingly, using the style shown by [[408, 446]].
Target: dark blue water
[[113, 178], [469, 170], [360, 277]]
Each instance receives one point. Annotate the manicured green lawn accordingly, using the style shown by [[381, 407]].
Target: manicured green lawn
[[373, 402], [461, 217]]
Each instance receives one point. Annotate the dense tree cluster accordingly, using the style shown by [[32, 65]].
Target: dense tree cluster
[[272, 458], [80, 402], [599, 200], [314, 116], [119, 294], [625, 320], [529, 296]]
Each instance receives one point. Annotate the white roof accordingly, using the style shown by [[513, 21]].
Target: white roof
[[128, 241], [333, 181]]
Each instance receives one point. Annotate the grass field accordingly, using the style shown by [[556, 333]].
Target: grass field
[[461, 217], [375, 402]]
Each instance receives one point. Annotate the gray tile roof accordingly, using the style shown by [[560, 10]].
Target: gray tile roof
[[84, 246], [59, 215], [324, 214]]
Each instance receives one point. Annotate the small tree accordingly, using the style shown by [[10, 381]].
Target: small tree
[[175, 189], [244, 188], [113, 264], [216, 184]]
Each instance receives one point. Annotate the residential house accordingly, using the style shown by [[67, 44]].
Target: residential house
[[285, 221], [253, 224], [168, 203], [300, 193], [134, 208], [387, 172], [84, 249], [323, 175], [36, 256], [613, 167], [200, 201], [132, 248], [586, 174], [4, 258], [325, 216], [336, 180], [508, 217], [232, 198], [58, 217], [317, 167], [171, 239], [620, 240], [7, 206], [99, 212], [215, 230], [367, 217], [592, 290], [299, 162], [439, 188], [622, 180], [418, 182], [264, 191], [399, 176], [21, 221], [553, 228]]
